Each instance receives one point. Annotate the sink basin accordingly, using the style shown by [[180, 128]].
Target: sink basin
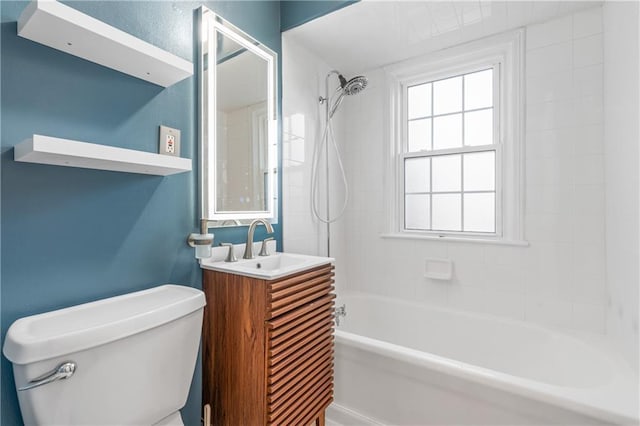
[[268, 267]]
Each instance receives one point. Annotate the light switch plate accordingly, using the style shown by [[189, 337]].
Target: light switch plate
[[169, 141]]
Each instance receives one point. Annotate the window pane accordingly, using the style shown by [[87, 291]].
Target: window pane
[[447, 95], [479, 212], [419, 135], [478, 127], [417, 175], [419, 101], [478, 90], [446, 174], [416, 211], [480, 171], [447, 131], [447, 212]]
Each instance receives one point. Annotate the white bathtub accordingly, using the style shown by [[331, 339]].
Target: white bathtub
[[400, 363]]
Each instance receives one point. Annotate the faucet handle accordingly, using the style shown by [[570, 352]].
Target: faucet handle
[[231, 255], [263, 250]]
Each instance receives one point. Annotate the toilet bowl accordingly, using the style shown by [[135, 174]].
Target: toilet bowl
[[126, 360]]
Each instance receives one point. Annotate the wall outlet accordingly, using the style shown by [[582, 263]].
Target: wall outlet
[[169, 141]]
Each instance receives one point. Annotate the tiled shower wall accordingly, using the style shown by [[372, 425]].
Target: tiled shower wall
[[559, 279], [621, 171], [304, 75]]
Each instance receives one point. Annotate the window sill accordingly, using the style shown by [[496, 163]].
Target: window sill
[[452, 239]]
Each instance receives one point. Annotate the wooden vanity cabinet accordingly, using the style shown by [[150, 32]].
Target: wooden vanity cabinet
[[268, 348]]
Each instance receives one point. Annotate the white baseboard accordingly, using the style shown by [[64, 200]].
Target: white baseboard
[[342, 416]]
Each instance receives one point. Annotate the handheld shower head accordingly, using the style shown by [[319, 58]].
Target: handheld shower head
[[348, 88], [355, 85]]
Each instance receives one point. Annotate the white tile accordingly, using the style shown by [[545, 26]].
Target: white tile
[[549, 312], [550, 32], [587, 51], [547, 9], [550, 171], [590, 291], [588, 261], [551, 277], [518, 13], [470, 274], [589, 199], [549, 227], [550, 87], [588, 228], [465, 253], [549, 59], [550, 115], [589, 110], [555, 199], [547, 282], [505, 256], [590, 318], [589, 170], [589, 273], [588, 81], [589, 139], [551, 143], [506, 279], [468, 298], [432, 292], [510, 305], [587, 22]]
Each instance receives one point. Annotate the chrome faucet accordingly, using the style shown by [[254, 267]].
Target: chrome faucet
[[248, 249]]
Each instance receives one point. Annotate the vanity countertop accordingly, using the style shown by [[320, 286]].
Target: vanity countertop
[[269, 267]]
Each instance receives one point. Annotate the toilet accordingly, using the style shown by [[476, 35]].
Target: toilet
[[126, 360]]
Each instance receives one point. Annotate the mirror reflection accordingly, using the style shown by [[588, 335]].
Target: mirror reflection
[[241, 139], [238, 127]]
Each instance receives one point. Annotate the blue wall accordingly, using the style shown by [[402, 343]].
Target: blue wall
[[73, 235], [294, 13]]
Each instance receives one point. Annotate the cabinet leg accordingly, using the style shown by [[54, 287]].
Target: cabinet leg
[[320, 419]]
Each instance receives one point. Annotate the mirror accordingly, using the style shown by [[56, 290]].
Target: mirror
[[238, 127]]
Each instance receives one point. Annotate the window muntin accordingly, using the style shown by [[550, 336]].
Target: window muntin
[[451, 154]]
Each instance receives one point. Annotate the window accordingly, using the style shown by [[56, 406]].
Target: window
[[457, 142], [451, 153]]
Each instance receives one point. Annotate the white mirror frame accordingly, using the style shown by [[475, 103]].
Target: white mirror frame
[[210, 23]]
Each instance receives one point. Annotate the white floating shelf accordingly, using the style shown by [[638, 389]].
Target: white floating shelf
[[64, 152], [64, 28]]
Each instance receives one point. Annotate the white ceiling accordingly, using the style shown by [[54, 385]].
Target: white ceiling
[[369, 34]]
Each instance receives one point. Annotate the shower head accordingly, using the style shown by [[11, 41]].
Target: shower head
[[354, 86], [347, 88]]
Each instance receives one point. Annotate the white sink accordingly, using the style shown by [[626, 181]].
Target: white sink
[[267, 267]]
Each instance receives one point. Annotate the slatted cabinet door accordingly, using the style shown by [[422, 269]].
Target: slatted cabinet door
[[293, 319], [300, 347]]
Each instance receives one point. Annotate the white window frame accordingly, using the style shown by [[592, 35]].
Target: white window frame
[[505, 53]]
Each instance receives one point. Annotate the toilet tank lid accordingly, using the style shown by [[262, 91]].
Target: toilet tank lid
[[65, 331]]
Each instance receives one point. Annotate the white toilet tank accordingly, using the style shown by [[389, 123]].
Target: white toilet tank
[[134, 357]]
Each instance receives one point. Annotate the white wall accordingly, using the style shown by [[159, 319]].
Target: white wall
[[560, 279], [622, 136], [303, 119], [301, 74]]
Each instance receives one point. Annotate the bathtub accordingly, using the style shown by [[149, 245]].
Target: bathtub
[[400, 363]]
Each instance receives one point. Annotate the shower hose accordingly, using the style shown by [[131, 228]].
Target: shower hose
[[324, 144]]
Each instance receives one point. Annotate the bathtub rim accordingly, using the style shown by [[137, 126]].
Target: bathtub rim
[[547, 393]]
